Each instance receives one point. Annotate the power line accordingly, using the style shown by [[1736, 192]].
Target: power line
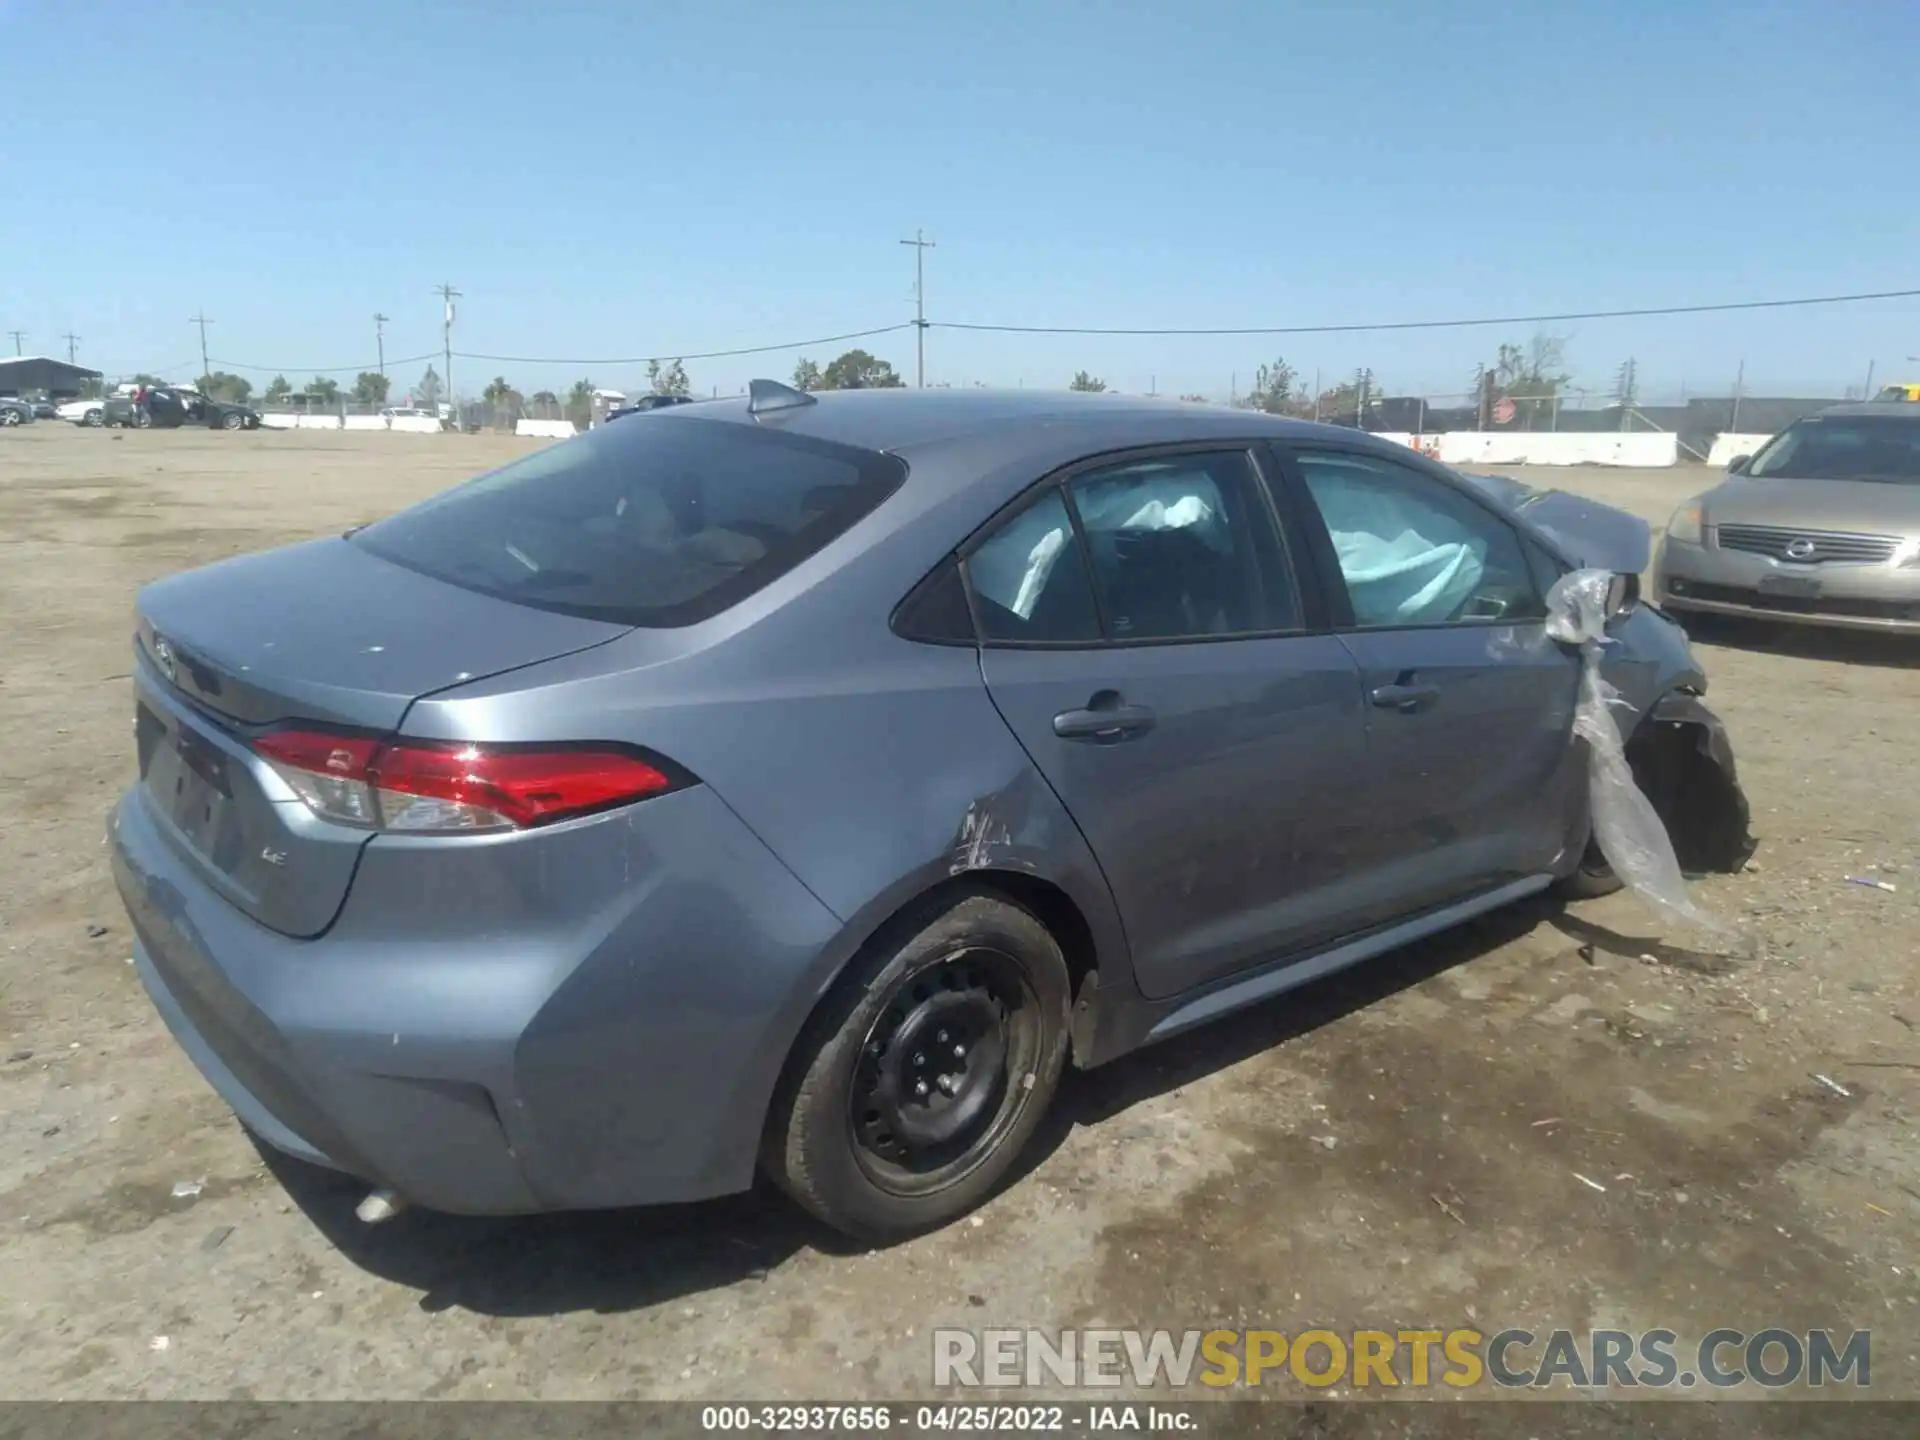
[[683, 355], [1637, 312], [317, 370]]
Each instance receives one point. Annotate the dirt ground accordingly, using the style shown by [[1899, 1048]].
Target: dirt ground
[[1396, 1148]]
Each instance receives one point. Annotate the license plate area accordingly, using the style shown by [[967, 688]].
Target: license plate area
[[1790, 587]]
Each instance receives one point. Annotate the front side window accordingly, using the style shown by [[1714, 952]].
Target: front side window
[[1885, 448], [1414, 551], [656, 524], [1184, 547]]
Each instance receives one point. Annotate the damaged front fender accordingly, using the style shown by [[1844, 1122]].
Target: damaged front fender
[[1683, 761]]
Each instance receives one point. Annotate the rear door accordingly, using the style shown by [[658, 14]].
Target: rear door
[[1145, 638], [1470, 771]]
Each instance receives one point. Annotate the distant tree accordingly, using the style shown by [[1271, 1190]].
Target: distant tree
[[145, 379], [322, 391], [1276, 390], [430, 388], [278, 390], [806, 374], [92, 388], [370, 388], [668, 379], [1531, 377], [497, 391], [857, 370], [1089, 383], [580, 403], [219, 385], [545, 397]]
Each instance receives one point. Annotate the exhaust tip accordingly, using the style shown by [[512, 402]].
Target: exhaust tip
[[380, 1205]]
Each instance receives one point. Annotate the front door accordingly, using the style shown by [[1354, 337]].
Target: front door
[[1472, 773], [1144, 637]]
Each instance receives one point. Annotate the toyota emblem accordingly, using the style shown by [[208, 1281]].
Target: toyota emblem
[[1800, 549], [163, 655]]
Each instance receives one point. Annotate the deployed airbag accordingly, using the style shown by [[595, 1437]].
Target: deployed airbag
[[1405, 563]]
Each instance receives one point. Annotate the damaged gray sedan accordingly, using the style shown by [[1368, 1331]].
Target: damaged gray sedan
[[796, 785]]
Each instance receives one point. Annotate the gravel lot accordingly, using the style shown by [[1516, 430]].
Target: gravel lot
[[1373, 1152]]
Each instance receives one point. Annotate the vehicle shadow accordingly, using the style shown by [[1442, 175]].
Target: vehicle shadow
[[1806, 642], [1630, 947], [619, 1260]]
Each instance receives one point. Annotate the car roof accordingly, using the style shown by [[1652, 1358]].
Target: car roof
[[1892, 409], [1014, 425]]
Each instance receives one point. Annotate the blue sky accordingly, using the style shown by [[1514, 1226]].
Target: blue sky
[[607, 180]]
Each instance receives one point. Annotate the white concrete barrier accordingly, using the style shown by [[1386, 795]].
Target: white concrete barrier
[[415, 425], [316, 422], [1472, 447], [546, 429], [274, 420], [364, 422], [1730, 446]]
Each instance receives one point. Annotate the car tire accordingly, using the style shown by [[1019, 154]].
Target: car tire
[[233, 422], [880, 1135], [93, 419], [9, 417], [1593, 879]]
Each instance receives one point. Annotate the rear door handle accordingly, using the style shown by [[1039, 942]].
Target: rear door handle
[[1405, 697], [1114, 722]]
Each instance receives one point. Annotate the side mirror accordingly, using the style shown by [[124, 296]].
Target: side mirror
[[1623, 593], [1738, 465]]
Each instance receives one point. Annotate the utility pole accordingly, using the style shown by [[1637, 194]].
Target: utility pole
[[73, 346], [1739, 384], [380, 339], [1867, 394], [447, 295], [18, 336], [920, 247], [202, 321]]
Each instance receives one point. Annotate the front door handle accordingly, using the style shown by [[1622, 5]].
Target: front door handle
[[1405, 697], [1103, 722]]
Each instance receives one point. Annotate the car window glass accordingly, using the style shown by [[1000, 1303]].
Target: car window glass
[[1414, 551], [1184, 547], [1030, 581], [662, 523], [1843, 448]]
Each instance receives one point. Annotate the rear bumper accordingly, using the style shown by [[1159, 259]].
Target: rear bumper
[[589, 1016], [1707, 579]]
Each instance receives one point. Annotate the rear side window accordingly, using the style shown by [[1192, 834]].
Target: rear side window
[[1030, 580], [662, 523]]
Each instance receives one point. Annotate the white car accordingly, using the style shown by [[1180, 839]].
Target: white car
[[82, 412]]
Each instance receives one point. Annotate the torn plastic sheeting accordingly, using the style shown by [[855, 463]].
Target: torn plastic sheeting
[[1626, 826]]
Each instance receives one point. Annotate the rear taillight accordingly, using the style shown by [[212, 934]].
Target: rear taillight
[[427, 787]]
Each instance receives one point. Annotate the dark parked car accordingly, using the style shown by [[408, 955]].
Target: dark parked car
[[167, 409], [15, 412], [650, 402], [797, 784]]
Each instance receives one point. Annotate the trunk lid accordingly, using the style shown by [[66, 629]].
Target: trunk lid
[[319, 632]]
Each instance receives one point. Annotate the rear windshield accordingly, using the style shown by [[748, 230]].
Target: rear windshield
[[1853, 447], [657, 521]]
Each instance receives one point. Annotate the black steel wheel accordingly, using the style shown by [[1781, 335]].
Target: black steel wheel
[[933, 1088], [926, 1069]]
